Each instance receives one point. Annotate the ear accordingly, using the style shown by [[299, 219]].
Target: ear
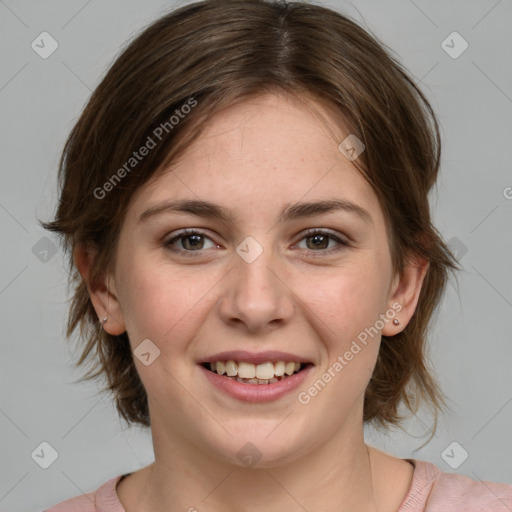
[[101, 292], [405, 293]]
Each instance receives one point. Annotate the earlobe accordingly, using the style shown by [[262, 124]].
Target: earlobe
[[405, 293], [104, 301]]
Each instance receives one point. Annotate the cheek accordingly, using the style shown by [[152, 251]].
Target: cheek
[[159, 301], [345, 301], [345, 309]]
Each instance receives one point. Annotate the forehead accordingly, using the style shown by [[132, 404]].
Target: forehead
[[267, 151]]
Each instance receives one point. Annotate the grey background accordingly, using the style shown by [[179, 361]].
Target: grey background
[[471, 347]]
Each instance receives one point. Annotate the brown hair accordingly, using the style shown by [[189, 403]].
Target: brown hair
[[213, 54]]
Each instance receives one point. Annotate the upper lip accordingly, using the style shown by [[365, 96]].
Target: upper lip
[[255, 357]]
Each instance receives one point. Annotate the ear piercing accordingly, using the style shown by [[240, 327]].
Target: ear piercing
[[396, 322], [105, 318]]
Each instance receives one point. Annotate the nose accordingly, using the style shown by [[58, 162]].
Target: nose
[[256, 297]]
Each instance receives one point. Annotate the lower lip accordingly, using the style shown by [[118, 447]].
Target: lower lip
[[256, 393]]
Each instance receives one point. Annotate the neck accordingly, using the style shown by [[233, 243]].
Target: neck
[[184, 478]]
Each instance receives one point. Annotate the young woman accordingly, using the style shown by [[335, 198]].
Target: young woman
[[244, 200]]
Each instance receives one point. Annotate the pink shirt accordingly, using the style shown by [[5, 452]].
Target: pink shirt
[[431, 491]]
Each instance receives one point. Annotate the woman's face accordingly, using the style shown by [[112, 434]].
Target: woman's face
[[287, 262]]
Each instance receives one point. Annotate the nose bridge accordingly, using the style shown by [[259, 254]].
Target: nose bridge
[[256, 296]]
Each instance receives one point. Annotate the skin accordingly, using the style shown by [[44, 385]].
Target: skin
[[253, 159]]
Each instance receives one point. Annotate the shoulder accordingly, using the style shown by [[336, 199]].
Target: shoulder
[[104, 499], [435, 491]]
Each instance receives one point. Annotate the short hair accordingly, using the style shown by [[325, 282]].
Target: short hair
[[210, 55]]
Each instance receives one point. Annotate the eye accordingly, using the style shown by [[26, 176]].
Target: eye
[[189, 240], [318, 240]]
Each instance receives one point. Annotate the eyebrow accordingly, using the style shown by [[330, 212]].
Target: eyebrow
[[292, 211]]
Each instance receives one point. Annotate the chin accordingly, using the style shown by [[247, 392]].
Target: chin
[[261, 446]]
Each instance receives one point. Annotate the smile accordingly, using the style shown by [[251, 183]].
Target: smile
[[248, 373], [261, 381]]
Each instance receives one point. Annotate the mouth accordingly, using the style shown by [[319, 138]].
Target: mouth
[[263, 374], [252, 377]]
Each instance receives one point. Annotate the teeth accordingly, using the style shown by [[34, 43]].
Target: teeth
[[221, 368], [246, 370], [279, 368], [264, 373], [289, 368], [231, 368]]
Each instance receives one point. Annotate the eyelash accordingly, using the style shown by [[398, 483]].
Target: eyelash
[[308, 234]]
